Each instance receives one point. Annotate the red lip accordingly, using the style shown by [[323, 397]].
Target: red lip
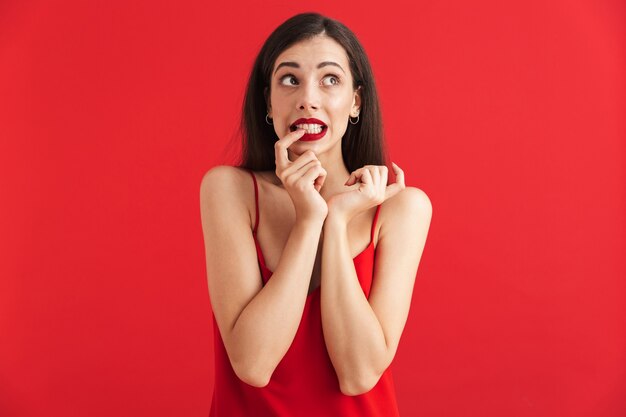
[[308, 137], [306, 121]]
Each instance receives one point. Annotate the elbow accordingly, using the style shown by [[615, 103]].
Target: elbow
[[362, 382], [247, 366], [252, 376], [358, 387]]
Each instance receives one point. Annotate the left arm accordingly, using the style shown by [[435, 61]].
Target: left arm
[[362, 334]]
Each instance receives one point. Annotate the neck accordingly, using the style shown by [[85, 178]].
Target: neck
[[336, 175]]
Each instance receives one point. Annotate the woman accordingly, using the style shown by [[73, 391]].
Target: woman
[[310, 208]]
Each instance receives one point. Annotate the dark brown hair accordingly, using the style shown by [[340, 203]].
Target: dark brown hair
[[362, 143]]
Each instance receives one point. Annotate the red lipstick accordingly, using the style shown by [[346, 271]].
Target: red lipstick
[[310, 136]]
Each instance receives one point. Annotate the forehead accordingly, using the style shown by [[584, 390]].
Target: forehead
[[308, 53]]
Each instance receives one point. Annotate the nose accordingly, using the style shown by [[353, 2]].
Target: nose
[[309, 98]]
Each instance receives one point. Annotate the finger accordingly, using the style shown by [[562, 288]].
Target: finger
[[313, 173], [384, 176], [399, 173], [397, 186], [281, 145], [291, 176], [375, 173], [302, 161], [366, 177], [319, 181], [354, 176]]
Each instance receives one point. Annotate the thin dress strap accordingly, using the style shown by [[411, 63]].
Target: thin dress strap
[[256, 203], [374, 223]]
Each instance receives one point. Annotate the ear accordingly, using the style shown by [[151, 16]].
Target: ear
[[356, 104], [267, 101]]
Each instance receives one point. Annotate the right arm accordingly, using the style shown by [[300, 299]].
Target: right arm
[[257, 323]]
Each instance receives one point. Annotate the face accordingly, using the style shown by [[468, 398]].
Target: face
[[312, 79]]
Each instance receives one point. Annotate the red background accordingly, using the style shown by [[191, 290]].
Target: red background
[[509, 116]]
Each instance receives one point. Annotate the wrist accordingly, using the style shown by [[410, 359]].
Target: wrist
[[335, 221], [309, 222]]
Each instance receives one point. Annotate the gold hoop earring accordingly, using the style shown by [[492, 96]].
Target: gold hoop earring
[[357, 120]]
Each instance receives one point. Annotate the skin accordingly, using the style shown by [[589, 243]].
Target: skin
[[316, 217], [325, 94]]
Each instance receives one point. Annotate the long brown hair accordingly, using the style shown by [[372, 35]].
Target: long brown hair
[[362, 143]]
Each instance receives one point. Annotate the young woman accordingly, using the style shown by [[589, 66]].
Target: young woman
[[311, 256]]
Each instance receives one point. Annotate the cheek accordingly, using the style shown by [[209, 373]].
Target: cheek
[[339, 109], [340, 106], [278, 99]]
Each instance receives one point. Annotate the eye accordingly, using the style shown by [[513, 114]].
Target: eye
[[332, 79], [286, 77]]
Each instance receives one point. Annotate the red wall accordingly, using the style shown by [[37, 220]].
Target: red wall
[[509, 116]]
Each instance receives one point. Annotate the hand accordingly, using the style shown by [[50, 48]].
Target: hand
[[372, 191], [302, 178]]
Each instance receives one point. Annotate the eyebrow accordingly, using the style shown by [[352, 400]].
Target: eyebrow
[[296, 65]]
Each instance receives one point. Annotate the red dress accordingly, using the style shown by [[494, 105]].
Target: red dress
[[305, 382]]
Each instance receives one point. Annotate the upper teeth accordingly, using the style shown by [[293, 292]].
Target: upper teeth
[[311, 127]]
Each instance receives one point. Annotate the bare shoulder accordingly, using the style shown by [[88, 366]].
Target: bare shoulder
[[223, 178], [226, 190], [409, 204]]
